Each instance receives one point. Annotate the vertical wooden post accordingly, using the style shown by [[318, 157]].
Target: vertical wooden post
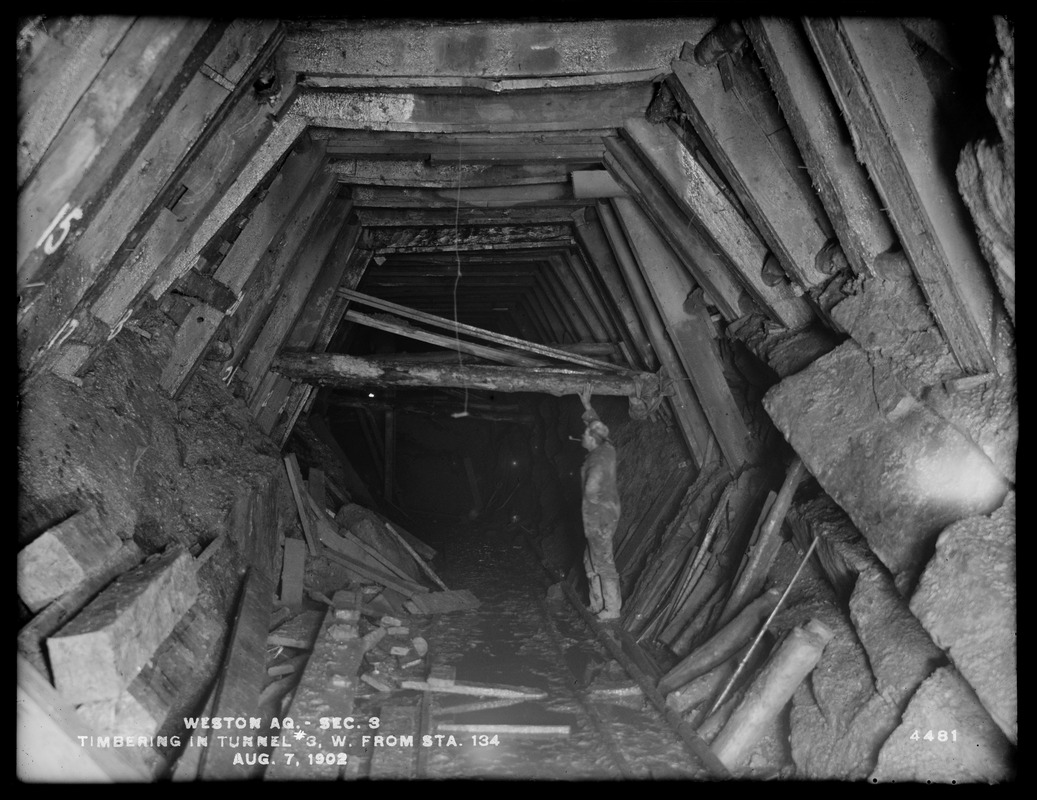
[[390, 454]]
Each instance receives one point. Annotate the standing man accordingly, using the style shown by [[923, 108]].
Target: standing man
[[600, 513]]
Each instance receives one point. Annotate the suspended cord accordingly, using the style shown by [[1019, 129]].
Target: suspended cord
[[457, 255]]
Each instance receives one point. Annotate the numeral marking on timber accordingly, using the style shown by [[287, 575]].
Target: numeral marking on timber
[[63, 223]]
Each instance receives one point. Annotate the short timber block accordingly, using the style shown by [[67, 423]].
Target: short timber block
[[442, 675], [100, 651], [64, 557], [299, 632]]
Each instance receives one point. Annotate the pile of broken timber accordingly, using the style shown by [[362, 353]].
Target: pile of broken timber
[[372, 551]]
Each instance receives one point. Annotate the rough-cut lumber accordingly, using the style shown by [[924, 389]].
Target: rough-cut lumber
[[425, 551], [291, 464], [421, 174], [503, 729], [688, 324], [397, 763], [234, 271], [49, 746], [443, 602], [795, 658], [375, 217], [448, 112], [64, 557], [335, 662], [420, 561], [437, 239], [367, 573], [695, 251], [778, 203], [344, 370], [242, 675], [295, 288], [299, 632], [595, 184], [689, 413], [763, 551], [704, 202], [534, 195], [477, 689], [848, 196], [293, 568], [723, 644], [81, 155], [896, 132], [100, 651]]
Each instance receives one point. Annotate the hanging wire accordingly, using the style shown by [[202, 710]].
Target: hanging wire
[[457, 279]]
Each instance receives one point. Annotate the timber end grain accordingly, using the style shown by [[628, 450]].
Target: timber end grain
[[100, 651]]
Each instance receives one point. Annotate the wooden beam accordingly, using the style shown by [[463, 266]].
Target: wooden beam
[[296, 285], [494, 49], [599, 254], [553, 308], [779, 205], [848, 196], [695, 250], [575, 266], [291, 464], [242, 675], [690, 416], [702, 200], [442, 238], [443, 112], [497, 338], [375, 217], [565, 292], [688, 325], [263, 225], [551, 194], [68, 168], [343, 370], [421, 174], [896, 132], [595, 184], [384, 323], [389, 490]]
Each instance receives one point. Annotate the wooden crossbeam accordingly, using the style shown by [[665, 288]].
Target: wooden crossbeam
[[421, 174], [540, 214], [537, 194]]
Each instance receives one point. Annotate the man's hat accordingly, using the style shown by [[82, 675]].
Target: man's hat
[[598, 428]]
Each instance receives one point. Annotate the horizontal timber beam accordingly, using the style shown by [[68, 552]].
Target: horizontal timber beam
[[421, 174]]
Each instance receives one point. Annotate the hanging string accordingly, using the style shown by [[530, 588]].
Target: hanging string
[[457, 279]]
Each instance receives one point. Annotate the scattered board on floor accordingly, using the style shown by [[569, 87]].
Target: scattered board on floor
[[442, 602], [388, 763], [299, 632], [503, 730], [477, 689]]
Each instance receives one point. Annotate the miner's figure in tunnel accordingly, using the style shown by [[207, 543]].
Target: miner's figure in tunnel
[[600, 513]]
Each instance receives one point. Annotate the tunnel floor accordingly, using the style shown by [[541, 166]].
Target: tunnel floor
[[517, 637]]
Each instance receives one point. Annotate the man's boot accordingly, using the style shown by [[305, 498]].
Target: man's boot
[[612, 599], [594, 591]]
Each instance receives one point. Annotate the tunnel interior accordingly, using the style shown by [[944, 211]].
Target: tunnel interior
[[306, 308]]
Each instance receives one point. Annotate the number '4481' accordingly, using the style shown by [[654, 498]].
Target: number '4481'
[[938, 736]]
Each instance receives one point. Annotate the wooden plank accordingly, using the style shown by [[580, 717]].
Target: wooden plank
[[549, 194], [451, 325], [496, 85], [51, 86], [496, 49], [456, 238], [582, 306], [81, 157], [595, 296], [778, 204], [848, 196], [597, 253], [421, 562], [372, 574], [377, 217], [98, 653], [499, 728], [293, 570], [397, 763], [386, 323], [425, 551], [896, 133], [444, 602], [421, 174], [428, 112], [51, 735], [316, 484], [242, 676], [695, 251], [689, 413], [477, 689], [596, 184], [343, 370], [687, 322], [264, 224], [296, 285], [259, 294], [291, 464], [299, 633], [703, 201], [64, 558]]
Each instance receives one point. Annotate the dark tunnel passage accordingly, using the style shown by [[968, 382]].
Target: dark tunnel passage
[[540, 398]]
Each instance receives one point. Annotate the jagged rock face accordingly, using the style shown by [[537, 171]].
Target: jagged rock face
[[946, 737], [967, 601], [900, 471]]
